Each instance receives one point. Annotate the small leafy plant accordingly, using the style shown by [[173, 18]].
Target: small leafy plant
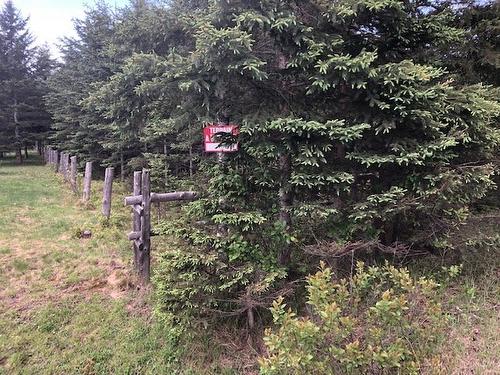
[[382, 321]]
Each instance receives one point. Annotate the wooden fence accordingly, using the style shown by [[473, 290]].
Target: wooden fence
[[141, 219], [140, 201]]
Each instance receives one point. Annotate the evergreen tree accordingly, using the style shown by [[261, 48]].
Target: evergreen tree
[[16, 50], [352, 133], [478, 58], [85, 62]]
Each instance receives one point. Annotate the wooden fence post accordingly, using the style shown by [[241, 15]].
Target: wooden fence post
[[144, 254], [108, 188], [87, 179], [141, 215], [136, 218], [73, 175], [66, 168], [56, 160], [58, 170], [61, 164]]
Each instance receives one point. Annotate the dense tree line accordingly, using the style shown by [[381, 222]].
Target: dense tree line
[[365, 126], [24, 70]]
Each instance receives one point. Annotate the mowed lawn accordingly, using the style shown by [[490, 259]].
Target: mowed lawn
[[70, 305]]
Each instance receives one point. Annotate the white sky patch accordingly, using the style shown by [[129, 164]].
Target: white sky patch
[[52, 19]]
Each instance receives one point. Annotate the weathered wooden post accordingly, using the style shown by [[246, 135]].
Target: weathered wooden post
[[61, 164], [141, 225], [87, 179], [136, 218], [56, 161], [107, 191], [66, 168], [73, 175], [145, 248]]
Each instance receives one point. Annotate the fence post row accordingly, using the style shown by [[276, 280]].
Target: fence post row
[[141, 219], [140, 202]]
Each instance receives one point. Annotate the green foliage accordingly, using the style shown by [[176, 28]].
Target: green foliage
[[216, 263], [24, 70], [354, 129], [382, 321]]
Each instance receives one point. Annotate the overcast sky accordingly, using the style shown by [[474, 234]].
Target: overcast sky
[[51, 19]]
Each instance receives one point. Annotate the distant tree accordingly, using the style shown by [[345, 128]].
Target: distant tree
[[16, 52], [478, 58], [85, 62], [37, 118], [24, 70]]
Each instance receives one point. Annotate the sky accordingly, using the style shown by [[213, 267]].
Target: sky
[[51, 19]]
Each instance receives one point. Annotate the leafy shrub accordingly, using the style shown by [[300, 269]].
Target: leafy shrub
[[380, 322]]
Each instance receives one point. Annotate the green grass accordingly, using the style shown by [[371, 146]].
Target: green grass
[[94, 336], [58, 312], [471, 303], [20, 265]]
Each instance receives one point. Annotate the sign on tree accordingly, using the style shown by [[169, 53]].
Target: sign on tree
[[211, 133]]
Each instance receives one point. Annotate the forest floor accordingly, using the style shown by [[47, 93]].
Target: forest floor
[[72, 306]]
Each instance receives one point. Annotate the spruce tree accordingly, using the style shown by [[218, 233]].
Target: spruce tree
[[85, 62], [16, 49], [353, 136], [356, 131]]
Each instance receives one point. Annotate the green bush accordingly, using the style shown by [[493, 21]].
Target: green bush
[[382, 321]]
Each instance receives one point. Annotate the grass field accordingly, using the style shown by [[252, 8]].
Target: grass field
[[70, 305]]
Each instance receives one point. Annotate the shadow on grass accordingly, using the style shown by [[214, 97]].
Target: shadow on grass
[[11, 161]]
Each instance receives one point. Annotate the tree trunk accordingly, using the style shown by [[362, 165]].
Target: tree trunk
[[122, 168], [26, 151], [285, 203], [191, 160], [19, 154]]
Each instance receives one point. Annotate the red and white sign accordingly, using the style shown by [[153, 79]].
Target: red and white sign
[[211, 144]]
